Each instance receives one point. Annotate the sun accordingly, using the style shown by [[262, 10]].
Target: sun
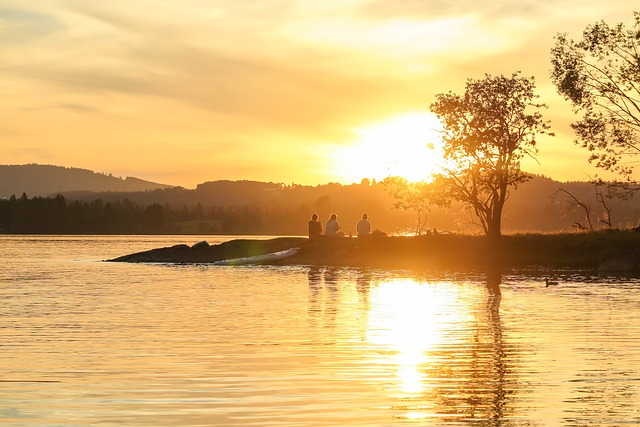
[[407, 145]]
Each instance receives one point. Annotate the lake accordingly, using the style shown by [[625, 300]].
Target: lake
[[86, 342]]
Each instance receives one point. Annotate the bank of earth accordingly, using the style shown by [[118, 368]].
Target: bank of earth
[[607, 251]]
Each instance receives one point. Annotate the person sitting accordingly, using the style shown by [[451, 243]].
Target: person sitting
[[363, 227], [315, 228], [332, 227]]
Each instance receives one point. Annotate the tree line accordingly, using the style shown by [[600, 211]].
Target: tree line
[[284, 212], [46, 215], [539, 205]]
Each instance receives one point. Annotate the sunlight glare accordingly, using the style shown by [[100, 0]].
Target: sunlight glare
[[410, 318], [408, 145]]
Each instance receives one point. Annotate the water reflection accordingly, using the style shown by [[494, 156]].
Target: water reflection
[[498, 354], [410, 319], [331, 281], [323, 295], [447, 351], [363, 286], [315, 283], [149, 345]]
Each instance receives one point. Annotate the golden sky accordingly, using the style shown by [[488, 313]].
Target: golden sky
[[293, 91]]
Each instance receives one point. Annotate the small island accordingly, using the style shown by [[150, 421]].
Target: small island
[[605, 251]]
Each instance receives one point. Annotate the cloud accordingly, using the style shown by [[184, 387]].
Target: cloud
[[268, 91], [313, 69], [415, 9], [262, 76], [486, 10], [19, 26], [269, 82], [78, 108], [28, 154], [265, 60]]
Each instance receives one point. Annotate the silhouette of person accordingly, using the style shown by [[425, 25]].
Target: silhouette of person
[[332, 227], [363, 227], [315, 228]]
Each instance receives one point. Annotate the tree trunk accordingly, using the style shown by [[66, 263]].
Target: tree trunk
[[494, 254], [494, 223], [493, 232]]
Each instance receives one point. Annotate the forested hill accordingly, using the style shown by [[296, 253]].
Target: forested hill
[[48, 180], [254, 207]]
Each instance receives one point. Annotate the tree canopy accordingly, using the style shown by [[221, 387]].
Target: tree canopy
[[487, 131], [600, 75], [413, 196]]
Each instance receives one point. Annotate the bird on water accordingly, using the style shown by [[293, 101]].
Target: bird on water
[[550, 282]]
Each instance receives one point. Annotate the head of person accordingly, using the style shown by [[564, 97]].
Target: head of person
[[365, 216], [333, 216], [314, 217]]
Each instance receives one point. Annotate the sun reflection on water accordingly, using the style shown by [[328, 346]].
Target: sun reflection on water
[[411, 320]]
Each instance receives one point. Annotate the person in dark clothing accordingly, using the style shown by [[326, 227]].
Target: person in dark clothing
[[315, 227]]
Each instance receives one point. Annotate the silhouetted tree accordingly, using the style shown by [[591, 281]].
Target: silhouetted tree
[[600, 75], [574, 202], [415, 197], [605, 193], [487, 131]]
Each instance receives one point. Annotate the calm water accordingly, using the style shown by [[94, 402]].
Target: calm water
[[84, 342]]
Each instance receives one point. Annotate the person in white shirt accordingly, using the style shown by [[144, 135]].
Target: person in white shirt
[[363, 227], [332, 227]]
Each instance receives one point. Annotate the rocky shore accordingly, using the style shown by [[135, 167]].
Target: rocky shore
[[614, 251]]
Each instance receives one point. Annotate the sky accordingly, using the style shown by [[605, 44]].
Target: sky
[[292, 91]]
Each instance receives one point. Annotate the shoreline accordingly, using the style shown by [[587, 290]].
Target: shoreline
[[605, 251]]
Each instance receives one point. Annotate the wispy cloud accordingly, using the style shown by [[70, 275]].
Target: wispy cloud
[[295, 73], [19, 26]]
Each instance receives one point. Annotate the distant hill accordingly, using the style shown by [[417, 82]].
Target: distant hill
[[46, 180], [252, 207], [535, 206]]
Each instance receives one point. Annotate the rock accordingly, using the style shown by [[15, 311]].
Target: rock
[[203, 252], [623, 262], [201, 244]]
